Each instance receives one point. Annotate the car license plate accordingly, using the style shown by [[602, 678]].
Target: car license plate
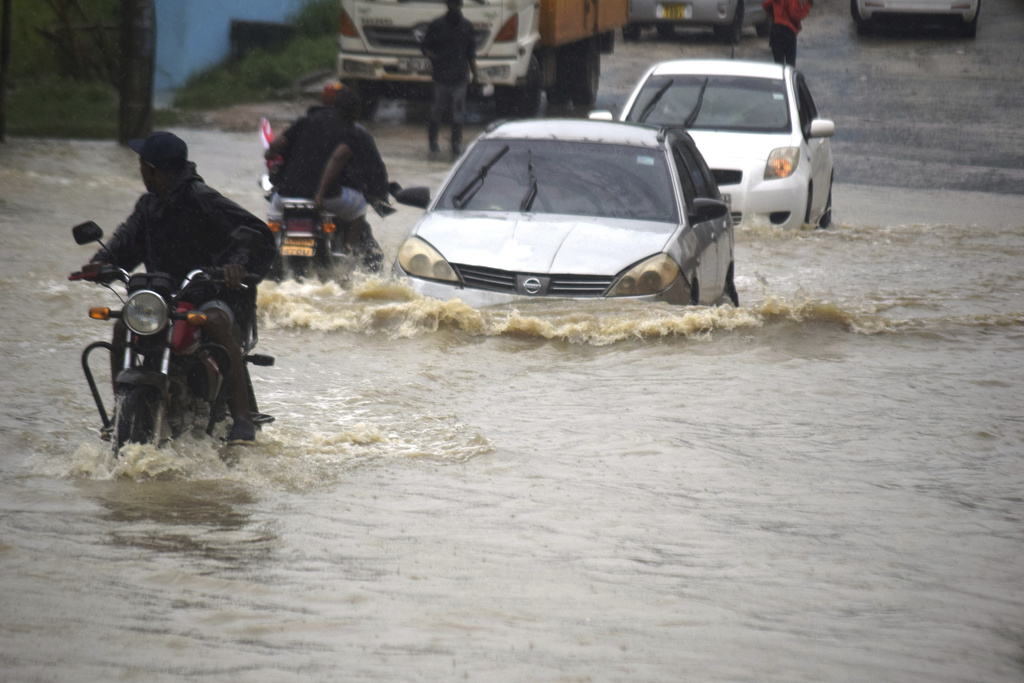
[[414, 65], [674, 10]]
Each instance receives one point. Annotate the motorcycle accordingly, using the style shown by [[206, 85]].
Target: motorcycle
[[169, 377], [313, 241]]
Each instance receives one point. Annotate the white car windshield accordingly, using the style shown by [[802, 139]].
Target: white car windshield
[[731, 103], [558, 177]]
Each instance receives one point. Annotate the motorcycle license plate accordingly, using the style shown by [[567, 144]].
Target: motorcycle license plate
[[298, 246], [674, 10]]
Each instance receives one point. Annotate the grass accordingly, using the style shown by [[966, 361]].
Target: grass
[[43, 103]]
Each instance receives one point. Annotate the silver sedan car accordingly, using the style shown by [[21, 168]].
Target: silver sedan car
[[575, 210], [962, 14], [725, 17]]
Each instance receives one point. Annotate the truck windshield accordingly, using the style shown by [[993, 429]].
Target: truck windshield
[[561, 177], [733, 103]]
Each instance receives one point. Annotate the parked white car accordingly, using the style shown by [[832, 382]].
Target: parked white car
[[964, 13], [725, 17], [757, 126]]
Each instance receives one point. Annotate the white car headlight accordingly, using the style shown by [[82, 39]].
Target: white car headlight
[[782, 163], [419, 259], [647, 277], [145, 312]]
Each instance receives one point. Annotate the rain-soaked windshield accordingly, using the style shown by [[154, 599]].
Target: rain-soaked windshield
[[736, 103], [575, 178]]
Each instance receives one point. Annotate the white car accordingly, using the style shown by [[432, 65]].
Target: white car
[[963, 12], [572, 209], [757, 127]]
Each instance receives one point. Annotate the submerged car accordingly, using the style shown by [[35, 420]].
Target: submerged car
[[725, 17], [961, 13], [575, 210], [758, 128]]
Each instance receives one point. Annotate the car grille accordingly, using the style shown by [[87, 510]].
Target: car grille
[[737, 217], [492, 279], [389, 37], [725, 176]]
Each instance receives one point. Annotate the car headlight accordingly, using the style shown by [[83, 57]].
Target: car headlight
[[419, 259], [782, 163], [647, 277], [145, 312]]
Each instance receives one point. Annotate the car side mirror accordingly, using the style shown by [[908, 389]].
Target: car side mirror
[[822, 128], [705, 209], [87, 232], [413, 196]]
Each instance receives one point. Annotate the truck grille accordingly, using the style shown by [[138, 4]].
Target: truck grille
[[393, 37]]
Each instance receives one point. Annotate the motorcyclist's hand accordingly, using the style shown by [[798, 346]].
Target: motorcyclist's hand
[[233, 275]]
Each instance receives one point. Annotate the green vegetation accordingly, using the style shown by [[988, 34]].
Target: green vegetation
[[62, 83]]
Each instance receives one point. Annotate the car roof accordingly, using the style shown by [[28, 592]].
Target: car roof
[[719, 67], [578, 130]]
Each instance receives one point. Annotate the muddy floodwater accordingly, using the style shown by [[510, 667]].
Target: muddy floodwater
[[824, 484]]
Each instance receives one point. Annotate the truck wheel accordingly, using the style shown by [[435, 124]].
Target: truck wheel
[[369, 95], [520, 102], [586, 74]]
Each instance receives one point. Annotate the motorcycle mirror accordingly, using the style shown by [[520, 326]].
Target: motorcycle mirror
[[87, 232], [413, 196]]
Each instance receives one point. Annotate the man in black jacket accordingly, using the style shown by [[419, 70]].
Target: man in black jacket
[[450, 45], [331, 159], [182, 224]]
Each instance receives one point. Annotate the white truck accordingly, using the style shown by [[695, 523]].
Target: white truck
[[522, 48]]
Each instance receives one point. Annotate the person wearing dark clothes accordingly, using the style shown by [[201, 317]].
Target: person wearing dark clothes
[[450, 45], [331, 159], [182, 224], [786, 17]]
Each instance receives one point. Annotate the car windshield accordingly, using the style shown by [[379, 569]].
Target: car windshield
[[559, 177], [734, 103]]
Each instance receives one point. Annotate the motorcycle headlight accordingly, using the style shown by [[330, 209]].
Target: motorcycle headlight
[[782, 163], [647, 277], [419, 259], [145, 312]]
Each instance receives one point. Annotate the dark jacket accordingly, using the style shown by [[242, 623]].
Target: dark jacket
[[311, 141], [189, 229], [451, 40]]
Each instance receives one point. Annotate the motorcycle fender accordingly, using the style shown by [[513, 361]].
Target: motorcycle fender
[[133, 376]]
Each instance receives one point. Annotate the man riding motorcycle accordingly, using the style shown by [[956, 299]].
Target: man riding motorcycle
[[182, 224], [331, 159]]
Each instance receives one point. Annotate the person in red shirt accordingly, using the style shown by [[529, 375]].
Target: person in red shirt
[[786, 16]]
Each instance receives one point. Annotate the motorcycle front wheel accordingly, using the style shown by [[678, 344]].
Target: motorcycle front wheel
[[136, 415]]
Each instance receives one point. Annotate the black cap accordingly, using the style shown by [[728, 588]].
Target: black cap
[[162, 150]]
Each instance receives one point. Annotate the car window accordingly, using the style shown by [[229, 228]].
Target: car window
[[575, 178], [805, 105], [703, 180], [734, 103]]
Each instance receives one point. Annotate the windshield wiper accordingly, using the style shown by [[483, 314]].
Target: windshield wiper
[[531, 192], [696, 108], [477, 181], [649, 107]]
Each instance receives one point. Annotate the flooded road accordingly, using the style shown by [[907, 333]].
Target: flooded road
[[824, 484]]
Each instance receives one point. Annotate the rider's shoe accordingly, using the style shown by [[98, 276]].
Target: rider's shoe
[[242, 432]]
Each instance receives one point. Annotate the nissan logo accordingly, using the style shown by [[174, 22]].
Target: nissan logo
[[531, 285]]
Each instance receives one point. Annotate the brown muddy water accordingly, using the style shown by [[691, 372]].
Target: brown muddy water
[[824, 484]]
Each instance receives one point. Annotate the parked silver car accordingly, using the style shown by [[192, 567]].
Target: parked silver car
[[961, 13], [579, 210], [726, 17]]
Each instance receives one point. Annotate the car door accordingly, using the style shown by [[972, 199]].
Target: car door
[[723, 227], [694, 186], [817, 150]]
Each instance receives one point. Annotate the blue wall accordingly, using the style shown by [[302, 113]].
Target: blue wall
[[194, 34]]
